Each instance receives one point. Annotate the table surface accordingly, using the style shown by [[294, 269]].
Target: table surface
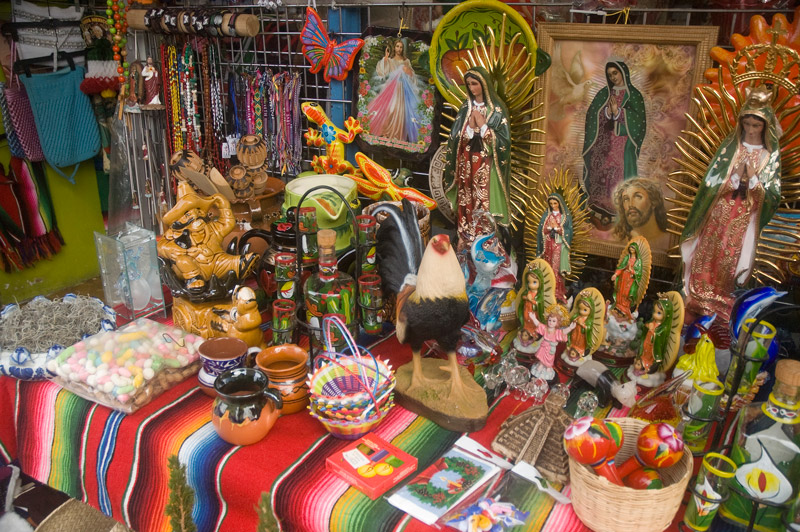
[[118, 463]]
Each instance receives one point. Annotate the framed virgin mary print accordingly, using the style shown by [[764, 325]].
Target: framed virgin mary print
[[615, 101], [395, 99]]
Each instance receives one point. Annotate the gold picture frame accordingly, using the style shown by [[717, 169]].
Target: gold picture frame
[[662, 64]]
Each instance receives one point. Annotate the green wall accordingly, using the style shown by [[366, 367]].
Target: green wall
[[78, 215]]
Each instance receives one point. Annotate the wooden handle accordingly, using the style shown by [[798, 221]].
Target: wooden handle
[[246, 25]]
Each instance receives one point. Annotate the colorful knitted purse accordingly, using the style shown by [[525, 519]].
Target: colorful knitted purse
[[64, 119], [19, 107]]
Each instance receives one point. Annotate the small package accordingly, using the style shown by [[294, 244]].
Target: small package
[[372, 465], [125, 369]]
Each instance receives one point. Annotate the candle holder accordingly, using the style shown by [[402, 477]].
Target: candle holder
[[367, 238], [285, 275], [307, 227], [709, 491], [701, 409], [370, 299], [283, 319]]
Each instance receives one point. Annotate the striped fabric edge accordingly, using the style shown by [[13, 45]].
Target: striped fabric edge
[[84, 439], [136, 450], [44, 414], [70, 420], [105, 454], [224, 504]]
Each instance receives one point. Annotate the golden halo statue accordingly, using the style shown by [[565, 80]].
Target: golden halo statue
[[504, 134], [557, 227], [735, 228]]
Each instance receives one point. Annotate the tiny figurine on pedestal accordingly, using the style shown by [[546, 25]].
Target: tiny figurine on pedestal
[[588, 316], [553, 333], [152, 86], [536, 294], [659, 349], [630, 284], [555, 233]]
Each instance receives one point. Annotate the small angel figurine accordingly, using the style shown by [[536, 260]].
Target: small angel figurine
[[659, 349], [631, 277], [553, 333], [588, 316], [536, 294]]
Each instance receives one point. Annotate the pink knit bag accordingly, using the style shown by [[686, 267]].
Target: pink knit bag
[[19, 107]]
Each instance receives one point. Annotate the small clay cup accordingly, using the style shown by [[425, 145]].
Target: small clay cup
[[246, 407], [218, 356], [287, 368]]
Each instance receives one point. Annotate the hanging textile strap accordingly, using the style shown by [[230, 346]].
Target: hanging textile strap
[[232, 107]]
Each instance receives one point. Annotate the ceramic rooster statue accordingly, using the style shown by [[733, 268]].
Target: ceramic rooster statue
[[431, 305]]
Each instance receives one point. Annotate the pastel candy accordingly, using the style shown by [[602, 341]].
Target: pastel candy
[[148, 373], [123, 398]]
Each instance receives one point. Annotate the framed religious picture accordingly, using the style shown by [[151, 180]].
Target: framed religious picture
[[615, 101], [395, 100]]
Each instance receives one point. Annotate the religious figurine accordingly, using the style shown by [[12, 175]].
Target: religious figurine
[[478, 156], [555, 237], [197, 264], [615, 128], [588, 316], [536, 294], [631, 277], [659, 348], [553, 332], [152, 85], [738, 197], [491, 272]]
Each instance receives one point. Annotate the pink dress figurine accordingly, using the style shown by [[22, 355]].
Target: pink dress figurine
[[553, 333]]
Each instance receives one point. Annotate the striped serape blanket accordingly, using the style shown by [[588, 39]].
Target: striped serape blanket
[[118, 463]]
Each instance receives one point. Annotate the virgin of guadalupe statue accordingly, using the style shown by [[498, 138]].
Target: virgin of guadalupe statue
[[615, 128], [631, 277], [555, 237], [536, 294], [739, 195], [394, 110], [478, 156], [588, 315], [659, 348]]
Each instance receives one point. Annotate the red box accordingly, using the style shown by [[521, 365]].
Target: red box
[[372, 465]]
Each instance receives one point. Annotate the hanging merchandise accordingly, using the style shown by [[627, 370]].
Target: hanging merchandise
[[285, 108], [213, 118], [188, 90], [118, 27], [172, 99], [28, 232], [21, 116], [14, 143], [322, 52], [64, 118], [62, 24]]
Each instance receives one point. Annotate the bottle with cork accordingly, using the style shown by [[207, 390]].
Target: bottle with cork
[[329, 291], [766, 450]]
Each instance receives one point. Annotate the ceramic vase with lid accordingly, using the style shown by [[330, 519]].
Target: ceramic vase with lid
[[241, 182]]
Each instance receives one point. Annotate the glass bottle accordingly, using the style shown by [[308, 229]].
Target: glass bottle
[[328, 291], [767, 452]]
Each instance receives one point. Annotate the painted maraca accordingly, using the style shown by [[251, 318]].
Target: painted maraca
[[658, 446], [589, 441]]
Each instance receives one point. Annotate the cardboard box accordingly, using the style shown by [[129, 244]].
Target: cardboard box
[[372, 465]]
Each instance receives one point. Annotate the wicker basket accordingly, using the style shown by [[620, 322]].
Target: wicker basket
[[606, 507]]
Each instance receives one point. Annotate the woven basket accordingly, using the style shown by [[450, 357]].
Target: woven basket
[[606, 507]]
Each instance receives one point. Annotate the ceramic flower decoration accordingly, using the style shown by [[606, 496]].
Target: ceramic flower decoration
[[588, 441], [334, 161]]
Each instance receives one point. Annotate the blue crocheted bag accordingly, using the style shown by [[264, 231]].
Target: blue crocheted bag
[[64, 119]]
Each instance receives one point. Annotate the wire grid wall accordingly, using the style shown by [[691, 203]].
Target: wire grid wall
[[278, 46]]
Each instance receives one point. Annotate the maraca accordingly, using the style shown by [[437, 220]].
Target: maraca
[[589, 441], [645, 478], [658, 446]]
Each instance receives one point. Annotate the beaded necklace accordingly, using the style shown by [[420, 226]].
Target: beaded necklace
[[217, 113], [176, 120], [258, 100], [248, 105]]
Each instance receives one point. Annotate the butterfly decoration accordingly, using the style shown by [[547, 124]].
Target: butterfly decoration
[[337, 59]]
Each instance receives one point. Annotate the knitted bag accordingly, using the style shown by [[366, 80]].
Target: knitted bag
[[64, 119], [13, 141], [19, 109]]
